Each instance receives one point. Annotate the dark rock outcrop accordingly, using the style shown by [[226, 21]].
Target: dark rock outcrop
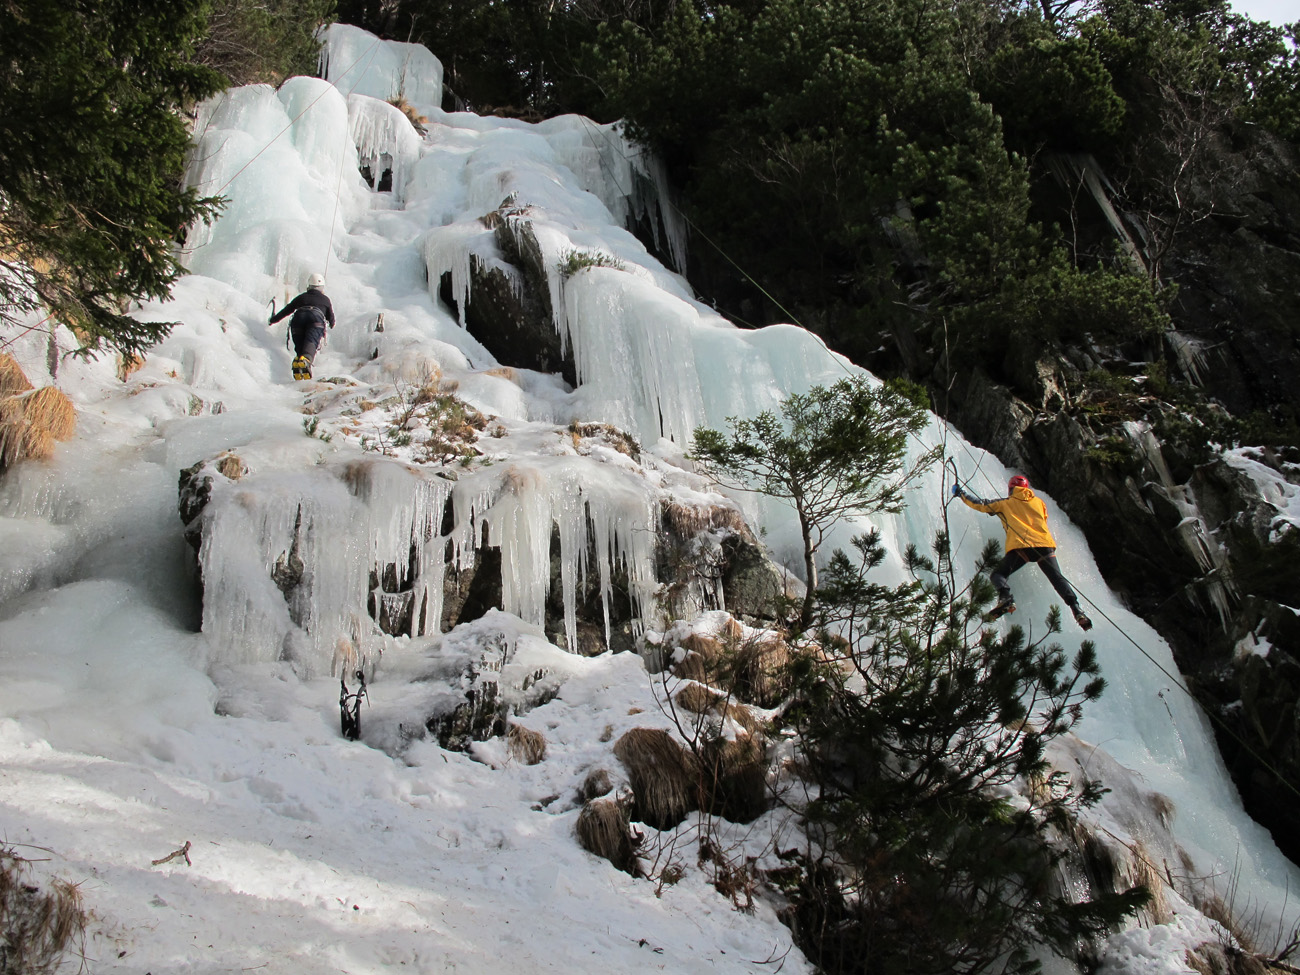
[[508, 307]]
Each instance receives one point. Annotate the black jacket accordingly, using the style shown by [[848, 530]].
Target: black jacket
[[311, 298]]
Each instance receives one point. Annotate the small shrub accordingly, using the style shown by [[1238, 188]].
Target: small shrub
[[576, 260], [418, 122]]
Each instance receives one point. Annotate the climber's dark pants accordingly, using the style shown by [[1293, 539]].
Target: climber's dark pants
[[307, 339], [1046, 560]]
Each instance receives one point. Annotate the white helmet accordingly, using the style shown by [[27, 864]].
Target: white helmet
[[316, 281]]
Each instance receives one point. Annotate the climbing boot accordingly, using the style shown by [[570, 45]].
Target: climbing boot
[[1085, 624], [1003, 607], [301, 368]]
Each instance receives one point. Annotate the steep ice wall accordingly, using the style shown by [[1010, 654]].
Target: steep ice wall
[[650, 359], [288, 555], [357, 61]]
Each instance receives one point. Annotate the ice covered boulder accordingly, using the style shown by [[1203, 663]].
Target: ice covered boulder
[[394, 516]]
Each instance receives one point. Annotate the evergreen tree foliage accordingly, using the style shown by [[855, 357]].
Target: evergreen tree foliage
[[833, 451], [252, 41], [870, 135], [92, 150], [939, 826]]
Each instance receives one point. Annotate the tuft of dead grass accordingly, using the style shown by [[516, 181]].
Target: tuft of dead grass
[[701, 660], [620, 440], [687, 520], [30, 423], [596, 784], [38, 928], [12, 379], [734, 777], [693, 667], [1139, 870], [697, 698], [603, 829], [418, 122], [525, 745], [1212, 958], [663, 775], [758, 668], [706, 646]]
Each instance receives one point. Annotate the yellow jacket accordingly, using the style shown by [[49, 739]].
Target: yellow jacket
[[1023, 516]]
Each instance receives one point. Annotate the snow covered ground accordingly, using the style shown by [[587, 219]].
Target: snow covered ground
[[134, 720]]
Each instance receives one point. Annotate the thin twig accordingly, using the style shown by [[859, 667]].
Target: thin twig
[[184, 851]]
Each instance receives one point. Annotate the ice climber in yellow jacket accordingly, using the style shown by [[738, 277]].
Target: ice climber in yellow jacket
[[1024, 517]]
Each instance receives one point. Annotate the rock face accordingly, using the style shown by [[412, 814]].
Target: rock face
[[1200, 545], [508, 304], [1196, 545]]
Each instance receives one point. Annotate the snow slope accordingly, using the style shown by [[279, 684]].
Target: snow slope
[[133, 718]]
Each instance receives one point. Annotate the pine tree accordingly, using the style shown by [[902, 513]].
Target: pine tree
[[92, 152], [940, 824], [833, 451], [266, 41]]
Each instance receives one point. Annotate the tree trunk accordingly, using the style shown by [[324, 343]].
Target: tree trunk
[[810, 571]]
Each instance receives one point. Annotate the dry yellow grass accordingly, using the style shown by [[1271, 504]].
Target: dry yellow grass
[[418, 122], [12, 379], [706, 646], [689, 520], [603, 829], [663, 775], [759, 667], [744, 717], [51, 410], [693, 667], [30, 423], [701, 660], [525, 745], [620, 440]]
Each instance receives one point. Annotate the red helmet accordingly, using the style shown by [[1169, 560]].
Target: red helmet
[[1018, 481]]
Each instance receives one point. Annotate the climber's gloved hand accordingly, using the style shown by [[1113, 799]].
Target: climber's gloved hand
[[956, 491]]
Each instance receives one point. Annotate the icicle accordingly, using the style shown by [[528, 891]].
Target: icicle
[[406, 512], [385, 139], [284, 569], [450, 250]]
